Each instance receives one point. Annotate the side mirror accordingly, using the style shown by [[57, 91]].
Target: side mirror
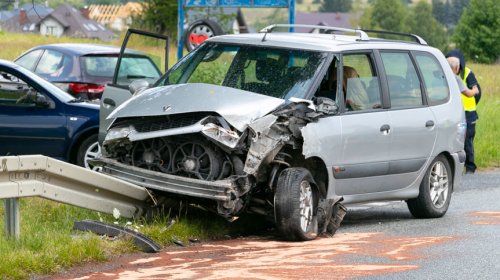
[[138, 86], [326, 106], [42, 101]]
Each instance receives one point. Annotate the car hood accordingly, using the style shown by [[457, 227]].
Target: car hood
[[237, 107]]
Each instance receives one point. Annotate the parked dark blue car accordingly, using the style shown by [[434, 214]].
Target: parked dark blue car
[[37, 117]]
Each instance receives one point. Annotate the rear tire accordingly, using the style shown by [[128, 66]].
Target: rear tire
[[89, 149], [435, 191], [295, 205]]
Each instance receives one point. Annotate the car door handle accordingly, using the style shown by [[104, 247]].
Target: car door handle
[[385, 129], [109, 102], [429, 124]]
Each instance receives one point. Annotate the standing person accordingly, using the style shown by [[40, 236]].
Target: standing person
[[470, 104]]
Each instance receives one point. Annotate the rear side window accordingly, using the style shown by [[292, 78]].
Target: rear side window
[[99, 66], [434, 78], [402, 80], [54, 64], [28, 60]]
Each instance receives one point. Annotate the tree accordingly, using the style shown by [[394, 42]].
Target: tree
[[421, 22], [477, 33], [387, 15], [448, 12], [341, 6], [439, 10], [161, 16]]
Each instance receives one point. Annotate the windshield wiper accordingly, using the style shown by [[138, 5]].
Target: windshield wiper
[[139, 77]]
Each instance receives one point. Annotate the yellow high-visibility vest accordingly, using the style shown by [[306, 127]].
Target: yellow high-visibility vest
[[469, 102]]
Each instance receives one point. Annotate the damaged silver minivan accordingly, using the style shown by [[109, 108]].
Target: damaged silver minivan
[[291, 125]]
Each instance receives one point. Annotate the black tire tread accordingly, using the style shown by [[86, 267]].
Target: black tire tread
[[287, 196]]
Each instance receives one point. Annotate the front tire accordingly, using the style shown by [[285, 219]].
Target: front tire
[[435, 191], [88, 149], [295, 205]]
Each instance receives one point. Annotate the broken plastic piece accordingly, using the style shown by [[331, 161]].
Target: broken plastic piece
[[143, 242]]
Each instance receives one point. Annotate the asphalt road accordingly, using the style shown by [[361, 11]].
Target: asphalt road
[[375, 241]]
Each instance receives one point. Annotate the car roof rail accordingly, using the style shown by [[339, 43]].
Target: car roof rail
[[362, 35], [417, 38]]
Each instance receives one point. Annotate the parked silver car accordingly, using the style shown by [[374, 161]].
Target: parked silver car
[[288, 125]]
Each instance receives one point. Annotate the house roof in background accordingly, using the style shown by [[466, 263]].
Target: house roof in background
[[343, 20], [31, 10], [109, 13], [5, 15], [13, 24], [76, 25]]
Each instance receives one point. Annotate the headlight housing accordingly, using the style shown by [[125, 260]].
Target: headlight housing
[[118, 133]]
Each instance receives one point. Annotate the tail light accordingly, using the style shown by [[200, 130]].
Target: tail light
[[90, 89]]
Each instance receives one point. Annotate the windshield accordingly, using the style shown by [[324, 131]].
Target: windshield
[[281, 73]]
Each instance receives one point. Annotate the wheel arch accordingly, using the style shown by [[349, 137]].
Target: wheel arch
[[73, 151], [452, 164], [319, 172]]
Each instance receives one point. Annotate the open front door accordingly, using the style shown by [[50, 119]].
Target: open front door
[[142, 55]]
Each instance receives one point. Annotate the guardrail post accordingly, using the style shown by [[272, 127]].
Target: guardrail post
[[12, 217]]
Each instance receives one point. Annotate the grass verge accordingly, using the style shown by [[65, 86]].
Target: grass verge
[[486, 147], [48, 244]]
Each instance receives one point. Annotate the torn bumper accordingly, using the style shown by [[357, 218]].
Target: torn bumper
[[227, 193]]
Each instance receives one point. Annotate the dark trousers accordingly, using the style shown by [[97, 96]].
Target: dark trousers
[[470, 166]]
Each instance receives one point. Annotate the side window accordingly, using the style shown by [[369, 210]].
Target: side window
[[360, 83], [402, 80], [16, 92], [328, 86], [434, 78], [28, 60], [53, 64]]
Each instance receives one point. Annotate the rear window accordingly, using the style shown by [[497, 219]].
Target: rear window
[[434, 78]]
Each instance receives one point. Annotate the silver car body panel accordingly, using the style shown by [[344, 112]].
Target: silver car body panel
[[413, 147], [237, 107], [363, 162]]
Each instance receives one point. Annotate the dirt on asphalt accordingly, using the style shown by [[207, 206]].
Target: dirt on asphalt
[[260, 258]]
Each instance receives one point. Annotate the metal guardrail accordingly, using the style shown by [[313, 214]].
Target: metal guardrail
[[36, 175]]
